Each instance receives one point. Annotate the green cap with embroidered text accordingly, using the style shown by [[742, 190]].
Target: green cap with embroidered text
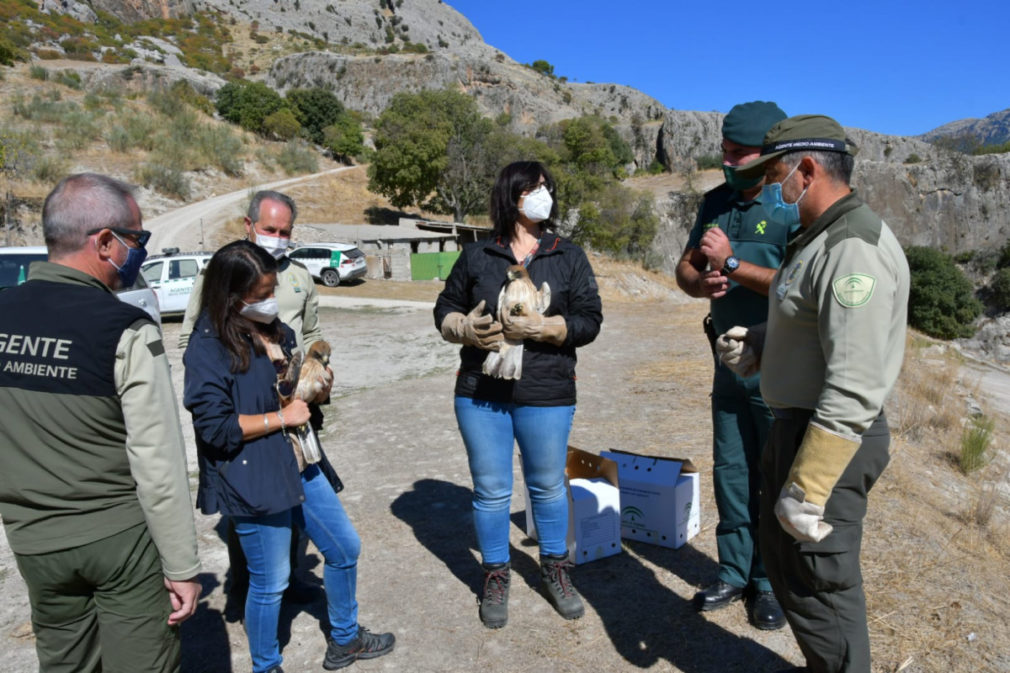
[[814, 133]]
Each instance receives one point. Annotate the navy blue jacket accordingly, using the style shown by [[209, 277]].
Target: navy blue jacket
[[238, 477], [548, 371]]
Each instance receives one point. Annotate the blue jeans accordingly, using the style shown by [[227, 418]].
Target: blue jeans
[[489, 431], [266, 541]]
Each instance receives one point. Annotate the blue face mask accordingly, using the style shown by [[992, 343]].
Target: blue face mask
[[131, 267], [736, 182], [778, 211]]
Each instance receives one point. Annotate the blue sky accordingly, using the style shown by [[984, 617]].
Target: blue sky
[[901, 67]]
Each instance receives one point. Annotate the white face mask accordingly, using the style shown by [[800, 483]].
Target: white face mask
[[261, 311], [537, 204], [275, 245]]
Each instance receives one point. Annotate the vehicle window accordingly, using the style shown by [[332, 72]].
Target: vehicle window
[[182, 268], [14, 268], [152, 272], [354, 253]]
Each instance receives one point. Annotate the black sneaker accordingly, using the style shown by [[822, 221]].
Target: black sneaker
[[557, 584], [367, 645], [494, 603]]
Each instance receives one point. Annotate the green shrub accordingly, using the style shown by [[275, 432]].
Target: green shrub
[[248, 104], [297, 157], [49, 170], [168, 180], [221, 147], [77, 129], [913, 158], [975, 442], [281, 124], [709, 161], [69, 78], [999, 287], [9, 54], [38, 72], [941, 301], [1004, 256]]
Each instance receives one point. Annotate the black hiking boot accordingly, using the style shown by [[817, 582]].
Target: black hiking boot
[[494, 601], [557, 584], [367, 645]]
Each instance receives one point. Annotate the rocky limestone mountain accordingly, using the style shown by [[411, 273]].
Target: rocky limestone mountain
[[126, 10], [929, 196], [993, 129], [371, 23]]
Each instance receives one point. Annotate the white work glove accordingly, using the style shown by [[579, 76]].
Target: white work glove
[[799, 517], [737, 350]]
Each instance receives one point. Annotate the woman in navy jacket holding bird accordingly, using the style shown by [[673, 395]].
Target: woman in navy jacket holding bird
[[486, 307], [250, 471]]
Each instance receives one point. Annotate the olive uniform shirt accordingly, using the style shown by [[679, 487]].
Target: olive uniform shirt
[[836, 320]]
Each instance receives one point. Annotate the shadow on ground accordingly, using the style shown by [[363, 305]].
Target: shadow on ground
[[645, 620]]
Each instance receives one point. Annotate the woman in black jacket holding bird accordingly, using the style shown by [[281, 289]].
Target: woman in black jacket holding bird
[[533, 406]]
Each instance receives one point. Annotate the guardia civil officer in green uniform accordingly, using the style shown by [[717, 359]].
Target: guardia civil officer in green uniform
[[94, 490], [832, 351], [731, 255]]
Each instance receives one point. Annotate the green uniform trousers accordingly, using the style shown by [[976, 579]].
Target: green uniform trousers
[[102, 607], [740, 425], [819, 584]]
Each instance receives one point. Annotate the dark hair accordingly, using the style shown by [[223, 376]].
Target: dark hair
[[81, 203], [231, 274], [254, 206], [513, 180], [838, 165]]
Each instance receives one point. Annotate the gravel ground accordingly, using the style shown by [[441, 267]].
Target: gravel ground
[[391, 433], [643, 386]]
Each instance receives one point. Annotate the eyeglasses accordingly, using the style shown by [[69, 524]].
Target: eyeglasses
[[140, 236]]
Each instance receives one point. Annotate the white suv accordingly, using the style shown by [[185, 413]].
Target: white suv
[[172, 275], [331, 263], [14, 263]]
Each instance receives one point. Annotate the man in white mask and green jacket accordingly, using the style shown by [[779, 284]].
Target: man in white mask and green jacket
[[268, 224]]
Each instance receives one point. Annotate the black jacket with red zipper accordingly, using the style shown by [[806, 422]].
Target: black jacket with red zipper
[[548, 377]]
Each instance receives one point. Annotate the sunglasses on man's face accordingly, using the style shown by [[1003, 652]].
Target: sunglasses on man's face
[[139, 236]]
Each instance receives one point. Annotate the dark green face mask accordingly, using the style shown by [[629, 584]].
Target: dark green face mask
[[736, 182]]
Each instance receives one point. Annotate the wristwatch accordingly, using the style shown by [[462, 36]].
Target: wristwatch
[[732, 264]]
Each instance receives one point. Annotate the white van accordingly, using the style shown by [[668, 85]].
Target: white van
[[14, 263], [171, 276]]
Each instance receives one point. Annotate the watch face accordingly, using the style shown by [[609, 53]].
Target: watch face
[[731, 264]]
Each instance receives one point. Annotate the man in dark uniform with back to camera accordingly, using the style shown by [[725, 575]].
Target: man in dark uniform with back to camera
[[94, 490], [731, 255], [831, 353]]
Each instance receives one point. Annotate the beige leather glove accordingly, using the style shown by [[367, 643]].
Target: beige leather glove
[[552, 330], [473, 329], [817, 467]]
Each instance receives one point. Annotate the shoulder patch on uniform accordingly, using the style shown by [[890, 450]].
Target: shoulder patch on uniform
[[156, 347], [854, 289]]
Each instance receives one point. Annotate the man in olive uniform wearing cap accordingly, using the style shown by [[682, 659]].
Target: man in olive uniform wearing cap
[[731, 255], [832, 351]]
